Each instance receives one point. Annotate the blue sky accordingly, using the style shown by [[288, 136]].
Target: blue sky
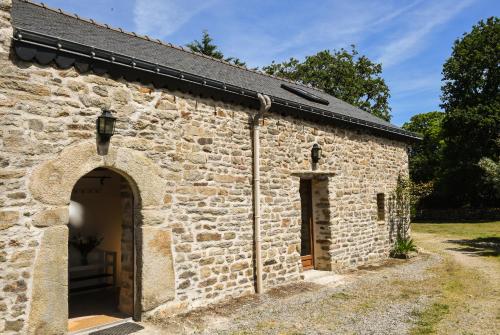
[[411, 39]]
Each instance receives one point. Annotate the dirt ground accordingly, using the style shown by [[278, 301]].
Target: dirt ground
[[451, 287]]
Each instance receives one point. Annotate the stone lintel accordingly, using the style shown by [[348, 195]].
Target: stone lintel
[[318, 175]]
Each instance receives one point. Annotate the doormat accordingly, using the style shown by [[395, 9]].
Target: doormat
[[123, 329]]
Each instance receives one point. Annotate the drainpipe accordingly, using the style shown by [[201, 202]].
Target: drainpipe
[[265, 104]]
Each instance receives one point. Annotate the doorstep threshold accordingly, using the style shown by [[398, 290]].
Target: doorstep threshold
[[89, 330], [328, 278]]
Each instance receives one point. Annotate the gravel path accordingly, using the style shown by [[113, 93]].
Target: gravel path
[[375, 300]]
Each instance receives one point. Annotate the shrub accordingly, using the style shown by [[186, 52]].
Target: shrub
[[402, 247]]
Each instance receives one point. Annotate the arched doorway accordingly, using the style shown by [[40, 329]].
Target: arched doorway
[[101, 256], [51, 184]]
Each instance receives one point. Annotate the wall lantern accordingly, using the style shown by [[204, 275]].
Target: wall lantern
[[316, 153], [105, 125]]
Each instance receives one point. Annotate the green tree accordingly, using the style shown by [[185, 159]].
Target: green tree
[[206, 47], [426, 155], [472, 73], [471, 100], [236, 61], [491, 168], [344, 74], [492, 171]]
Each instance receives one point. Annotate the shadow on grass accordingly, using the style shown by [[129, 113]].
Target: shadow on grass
[[481, 246]]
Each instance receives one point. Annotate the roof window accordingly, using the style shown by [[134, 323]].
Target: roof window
[[304, 94]]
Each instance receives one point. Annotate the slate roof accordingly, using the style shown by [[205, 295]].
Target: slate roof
[[37, 18]]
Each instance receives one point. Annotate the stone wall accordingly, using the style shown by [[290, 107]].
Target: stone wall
[[356, 166], [190, 161], [18, 239]]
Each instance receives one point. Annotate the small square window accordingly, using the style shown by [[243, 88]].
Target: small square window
[[381, 206]]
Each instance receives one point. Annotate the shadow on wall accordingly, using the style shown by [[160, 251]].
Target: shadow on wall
[[482, 246], [322, 230]]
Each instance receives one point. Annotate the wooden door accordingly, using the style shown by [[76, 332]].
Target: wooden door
[[306, 231]]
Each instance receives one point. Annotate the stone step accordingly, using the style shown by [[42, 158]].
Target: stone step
[[322, 277]]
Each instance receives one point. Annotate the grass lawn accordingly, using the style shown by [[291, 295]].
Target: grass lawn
[[466, 282], [466, 230], [479, 239]]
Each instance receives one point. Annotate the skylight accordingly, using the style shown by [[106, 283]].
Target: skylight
[[304, 94]]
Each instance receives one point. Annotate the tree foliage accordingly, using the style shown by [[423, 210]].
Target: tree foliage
[[472, 73], [491, 168], [471, 124], [344, 74], [425, 156], [207, 47]]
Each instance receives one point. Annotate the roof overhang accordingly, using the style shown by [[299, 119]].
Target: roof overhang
[[44, 49]]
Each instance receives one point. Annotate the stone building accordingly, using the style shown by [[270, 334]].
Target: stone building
[[206, 191]]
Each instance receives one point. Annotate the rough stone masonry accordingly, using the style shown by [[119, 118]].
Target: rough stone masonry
[[190, 161]]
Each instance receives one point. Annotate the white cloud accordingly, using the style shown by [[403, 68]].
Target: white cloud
[[327, 26], [399, 31], [419, 25], [163, 17]]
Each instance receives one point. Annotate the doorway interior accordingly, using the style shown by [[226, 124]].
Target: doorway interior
[[306, 228], [100, 251]]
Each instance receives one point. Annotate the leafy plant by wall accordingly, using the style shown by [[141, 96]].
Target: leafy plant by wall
[[402, 203]]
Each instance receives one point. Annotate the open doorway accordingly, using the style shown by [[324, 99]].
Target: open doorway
[[100, 251], [306, 228]]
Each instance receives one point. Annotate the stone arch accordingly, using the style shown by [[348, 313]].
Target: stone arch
[[51, 183]]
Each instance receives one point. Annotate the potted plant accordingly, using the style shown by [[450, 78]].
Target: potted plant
[[85, 244]]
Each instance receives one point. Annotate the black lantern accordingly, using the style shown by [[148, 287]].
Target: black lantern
[[105, 125], [315, 153]]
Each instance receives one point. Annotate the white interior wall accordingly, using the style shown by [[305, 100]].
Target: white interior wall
[[101, 214]]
